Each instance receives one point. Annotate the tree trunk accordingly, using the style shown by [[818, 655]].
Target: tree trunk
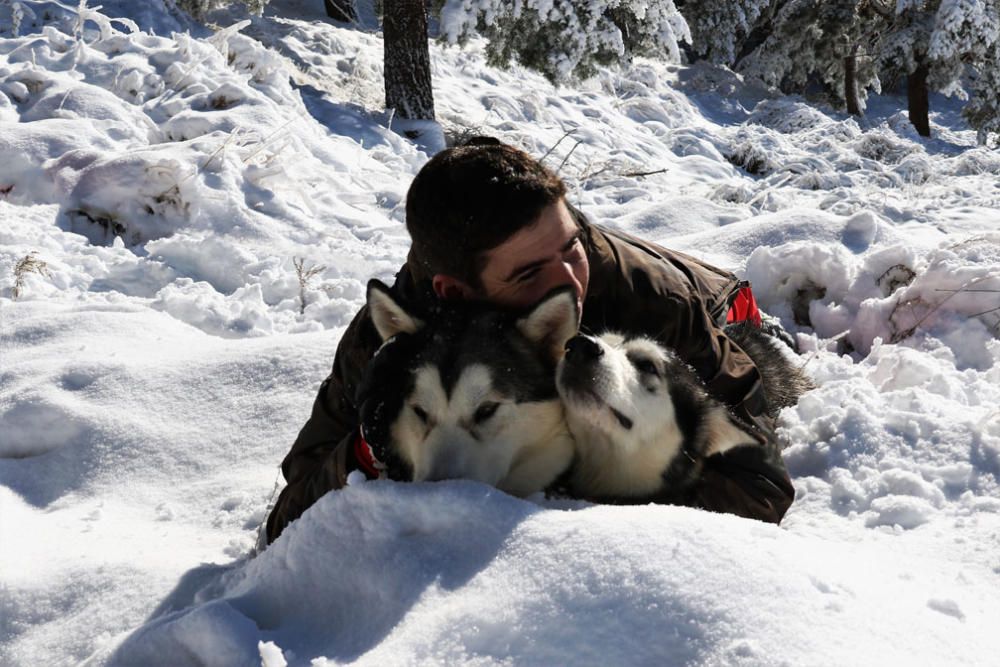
[[341, 10], [917, 97], [851, 83], [407, 60]]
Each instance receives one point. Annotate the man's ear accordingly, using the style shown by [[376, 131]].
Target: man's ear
[[388, 316], [449, 288], [552, 322]]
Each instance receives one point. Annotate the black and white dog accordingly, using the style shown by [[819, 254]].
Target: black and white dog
[[641, 418], [468, 392], [520, 401]]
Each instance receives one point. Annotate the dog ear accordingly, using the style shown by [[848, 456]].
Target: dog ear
[[553, 321], [388, 316], [725, 433]]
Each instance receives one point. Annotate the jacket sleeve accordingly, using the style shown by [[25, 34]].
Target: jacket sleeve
[[323, 455], [749, 481]]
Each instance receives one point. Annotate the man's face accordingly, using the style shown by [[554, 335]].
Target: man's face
[[547, 254]]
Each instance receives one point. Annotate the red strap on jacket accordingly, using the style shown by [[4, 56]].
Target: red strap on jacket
[[744, 308]]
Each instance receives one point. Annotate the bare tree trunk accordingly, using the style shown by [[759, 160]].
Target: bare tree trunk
[[407, 60], [918, 99], [341, 10], [851, 83]]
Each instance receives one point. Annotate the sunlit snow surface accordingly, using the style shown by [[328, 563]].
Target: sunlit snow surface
[[157, 368]]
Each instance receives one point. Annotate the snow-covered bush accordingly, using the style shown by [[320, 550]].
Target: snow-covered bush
[[936, 42], [200, 8], [974, 162], [882, 147], [983, 109], [787, 116], [719, 29], [814, 40], [751, 157], [563, 39]]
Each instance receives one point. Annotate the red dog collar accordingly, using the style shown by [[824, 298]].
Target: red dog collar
[[370, 465]]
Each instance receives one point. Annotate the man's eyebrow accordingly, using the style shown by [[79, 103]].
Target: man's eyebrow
[[524, 268]]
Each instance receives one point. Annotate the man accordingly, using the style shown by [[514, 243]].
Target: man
[[488, 222]]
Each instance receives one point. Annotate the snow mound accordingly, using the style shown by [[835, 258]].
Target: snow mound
[[459, 573]]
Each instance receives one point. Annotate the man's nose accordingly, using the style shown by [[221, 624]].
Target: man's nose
[[582, 349], [564, 274]]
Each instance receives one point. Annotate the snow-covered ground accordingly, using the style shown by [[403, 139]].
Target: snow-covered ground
[[159, 359]]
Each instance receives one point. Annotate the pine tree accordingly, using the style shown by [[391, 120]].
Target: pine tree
[[341, 10], [566, 39], [983, 109], [824, 40], [720, 28], [933, 43], [199, 8]]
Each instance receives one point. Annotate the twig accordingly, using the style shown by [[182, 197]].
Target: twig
[[211, 157], [645, 173], [305, 275], [991, 310], [579, 141], [964, 288], [268, 138], [556, 145]]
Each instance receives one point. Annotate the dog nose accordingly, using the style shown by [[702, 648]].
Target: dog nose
[[582, 349]]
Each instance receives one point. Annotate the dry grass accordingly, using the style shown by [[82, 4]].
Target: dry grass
[[305, 275], [908, 315], [28, 264]]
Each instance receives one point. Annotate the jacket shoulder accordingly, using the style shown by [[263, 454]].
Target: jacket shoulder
[[629, 275]]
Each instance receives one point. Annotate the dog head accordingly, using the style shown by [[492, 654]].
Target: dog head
[[615, 385], [466, 392], [633, 406]]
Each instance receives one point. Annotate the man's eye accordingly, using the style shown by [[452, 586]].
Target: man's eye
[[528, 276]]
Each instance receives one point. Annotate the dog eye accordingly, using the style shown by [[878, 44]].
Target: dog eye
[[485, 411], [646, 366], [420, 413]]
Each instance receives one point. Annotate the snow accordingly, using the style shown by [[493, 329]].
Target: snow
[[156, 370]]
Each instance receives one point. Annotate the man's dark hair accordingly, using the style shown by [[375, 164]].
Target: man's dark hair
[[469, 199]]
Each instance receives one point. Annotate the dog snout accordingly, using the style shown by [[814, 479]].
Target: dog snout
[[581, 349]]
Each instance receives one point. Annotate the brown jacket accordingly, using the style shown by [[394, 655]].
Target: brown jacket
[[635, 287]]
